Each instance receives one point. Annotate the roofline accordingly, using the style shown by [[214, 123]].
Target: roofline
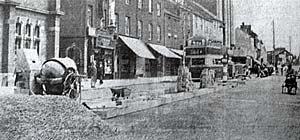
[[205, 10]]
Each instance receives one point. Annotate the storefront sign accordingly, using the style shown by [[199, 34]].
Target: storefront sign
[[103, 42]]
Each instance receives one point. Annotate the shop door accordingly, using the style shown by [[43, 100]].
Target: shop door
[[153, 68]]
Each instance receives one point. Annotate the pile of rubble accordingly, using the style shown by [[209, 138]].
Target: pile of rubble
[[49, 117]]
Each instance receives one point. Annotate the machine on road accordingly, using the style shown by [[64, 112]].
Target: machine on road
[[290, 84], [58, 76]]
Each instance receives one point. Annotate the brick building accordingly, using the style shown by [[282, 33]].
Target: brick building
[[33, 24], [78, 27], [144, 21]]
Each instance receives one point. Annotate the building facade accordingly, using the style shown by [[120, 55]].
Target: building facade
[[248, 51], [159, 27], [204, 50], [28, 24], [78, 30], [147, 22], [279, 57]]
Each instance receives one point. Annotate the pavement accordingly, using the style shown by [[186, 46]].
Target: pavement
[[146, 93]]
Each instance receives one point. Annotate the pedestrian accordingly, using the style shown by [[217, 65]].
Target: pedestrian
[[100, 74], [93, 74], [285, 68], [258, 71]]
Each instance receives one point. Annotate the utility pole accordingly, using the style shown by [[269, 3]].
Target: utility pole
[[274, 57], [290, 44]]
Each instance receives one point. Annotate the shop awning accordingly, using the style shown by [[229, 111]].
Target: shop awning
[[164, 51], [179, 52], [138, 47]]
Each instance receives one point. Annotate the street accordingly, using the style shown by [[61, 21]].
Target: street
[[257, 110]]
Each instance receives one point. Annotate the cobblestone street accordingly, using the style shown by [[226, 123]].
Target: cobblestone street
[[257, 110]]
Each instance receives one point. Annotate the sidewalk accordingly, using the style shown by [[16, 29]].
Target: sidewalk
[[145, 94], [86, 83]]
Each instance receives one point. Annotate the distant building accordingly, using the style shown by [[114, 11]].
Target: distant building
[[28, 24], [282, 56], [248, 51]]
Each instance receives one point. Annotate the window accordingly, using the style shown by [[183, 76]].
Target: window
[[127, 2], [28, 30], [17, 44], [117, 22], [201, 26], [150, 31], [18, 28], [90, 16], [37, 46], [27, 44], [140, 4], [198, 61], [140, 29], [150, 6], [127, 25], [105, 17], [158, 33], [37, 31], [158, 9]]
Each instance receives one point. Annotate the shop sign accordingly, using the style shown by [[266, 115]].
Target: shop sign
[[103, 41]]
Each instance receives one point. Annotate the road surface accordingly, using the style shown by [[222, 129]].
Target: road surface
[[255, 111]]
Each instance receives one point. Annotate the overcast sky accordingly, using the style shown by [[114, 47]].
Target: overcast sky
[[260, 13]]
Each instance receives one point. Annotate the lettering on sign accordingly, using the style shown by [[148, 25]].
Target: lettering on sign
[[101, 41]]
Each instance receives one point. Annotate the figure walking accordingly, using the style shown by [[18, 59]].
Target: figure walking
[[93, 74]]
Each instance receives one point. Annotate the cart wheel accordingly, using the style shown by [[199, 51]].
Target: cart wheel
[[71, 87]]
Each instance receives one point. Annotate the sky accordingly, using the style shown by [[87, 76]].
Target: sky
[[260, 13]]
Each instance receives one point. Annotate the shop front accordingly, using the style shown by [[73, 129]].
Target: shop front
[[104, 56], [134, 59], [167, 61]]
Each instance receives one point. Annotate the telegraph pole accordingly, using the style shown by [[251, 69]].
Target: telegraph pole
[[290, 44], [273, 27]]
